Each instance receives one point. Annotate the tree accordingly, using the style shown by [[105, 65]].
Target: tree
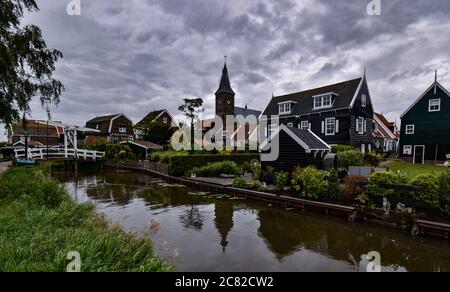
[[157, 132], [26, 65], [191, 108]]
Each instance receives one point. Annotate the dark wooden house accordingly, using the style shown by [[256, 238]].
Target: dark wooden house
[[115, 128], [38, 134], [340, 113], [425, 127], [296, 147]]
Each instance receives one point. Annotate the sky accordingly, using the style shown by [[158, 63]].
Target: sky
[[134, 56]]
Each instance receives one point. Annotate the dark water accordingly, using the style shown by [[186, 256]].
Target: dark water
[[200, 232]]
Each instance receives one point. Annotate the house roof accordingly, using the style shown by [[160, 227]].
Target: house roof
[[103, 118], [31, 143], [346, 92], [144, 144], [435, 85], [305, 138], [245, 112], [225, 86], [35, 128], [151, 116], [383, 127]]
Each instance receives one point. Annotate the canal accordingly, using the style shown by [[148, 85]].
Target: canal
[[213, 232]]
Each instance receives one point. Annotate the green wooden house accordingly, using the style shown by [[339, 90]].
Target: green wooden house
[[425, 127]]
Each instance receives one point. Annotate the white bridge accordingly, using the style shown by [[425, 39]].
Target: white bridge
[[58, 153], [66, 153]]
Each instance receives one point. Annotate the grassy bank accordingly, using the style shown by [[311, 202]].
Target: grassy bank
[[411, 170], [40, 225]]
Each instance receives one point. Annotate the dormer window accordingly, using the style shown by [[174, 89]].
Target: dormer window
[[285, 108], [324, 100]]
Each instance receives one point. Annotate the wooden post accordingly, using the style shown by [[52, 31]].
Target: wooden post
[[65, 142]]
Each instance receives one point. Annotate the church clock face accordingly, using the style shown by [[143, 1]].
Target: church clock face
[[228, 101]]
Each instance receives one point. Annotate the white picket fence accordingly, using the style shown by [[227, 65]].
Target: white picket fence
[[58, 153]]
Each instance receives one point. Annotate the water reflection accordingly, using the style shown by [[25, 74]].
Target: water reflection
[[217, 234]]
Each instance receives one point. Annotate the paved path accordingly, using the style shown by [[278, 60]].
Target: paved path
[[4, 166]]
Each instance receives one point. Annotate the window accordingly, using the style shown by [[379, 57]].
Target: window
[[325, 101], [290, 125], [165, 120], [364, 100], [410, 129], [330, 126], [304, 125], [434, 105], [360, 125], [123, 130], [407, 150], [285, 108]]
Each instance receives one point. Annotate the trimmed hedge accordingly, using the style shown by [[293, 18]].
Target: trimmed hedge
[[182, 165]]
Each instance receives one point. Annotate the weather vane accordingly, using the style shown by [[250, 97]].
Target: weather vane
[[225, 58]]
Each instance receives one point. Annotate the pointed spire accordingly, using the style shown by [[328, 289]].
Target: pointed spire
[[365, 71], [225, 86], [435, 81]]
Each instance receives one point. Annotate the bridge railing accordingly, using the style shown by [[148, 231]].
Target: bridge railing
[[58, 152]]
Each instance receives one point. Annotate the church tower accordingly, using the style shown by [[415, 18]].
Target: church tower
[[225, 96]]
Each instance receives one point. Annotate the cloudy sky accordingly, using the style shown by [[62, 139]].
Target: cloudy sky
[[133, 56]]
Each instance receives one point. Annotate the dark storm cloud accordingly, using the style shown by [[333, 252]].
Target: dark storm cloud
[[138, 55]]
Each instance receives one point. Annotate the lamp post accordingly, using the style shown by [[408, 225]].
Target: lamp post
[[26, 134], [47, 140]]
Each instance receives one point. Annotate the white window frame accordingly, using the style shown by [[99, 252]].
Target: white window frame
[[434, 105], [323, 101], [407, 149], [360, 125], [165, 120], [410, 129], [332, 123], [364, 100], [122, 130], [285, 108], [304, 125]]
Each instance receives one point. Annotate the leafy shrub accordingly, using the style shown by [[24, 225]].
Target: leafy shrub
[[216, 169], [373, 158], [183, 164], [310, 182], [430, 194], [119, 151], [239, 182], [352, 188], [255, 185], [333, 189], [341, 148], [350, 158], [375, 187], [281, 180], [257, 172], [246, 166], [444, 189]]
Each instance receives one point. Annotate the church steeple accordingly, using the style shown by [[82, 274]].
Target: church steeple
[[225, 86]]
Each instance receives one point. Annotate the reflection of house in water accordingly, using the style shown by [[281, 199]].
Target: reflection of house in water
[[224, 220]]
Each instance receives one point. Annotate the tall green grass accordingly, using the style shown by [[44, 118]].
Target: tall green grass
[[40, 225]]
